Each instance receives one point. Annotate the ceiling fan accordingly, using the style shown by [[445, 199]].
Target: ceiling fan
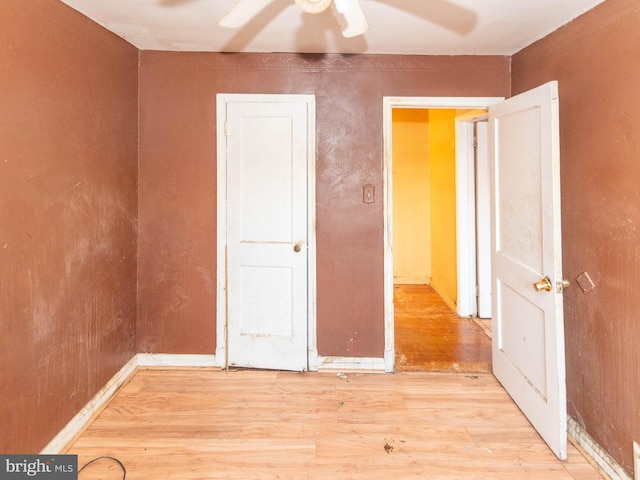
[[348, 13]]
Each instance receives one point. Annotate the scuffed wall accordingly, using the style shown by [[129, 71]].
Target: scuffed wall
[[596, 60], [68, 201], [177, 238]]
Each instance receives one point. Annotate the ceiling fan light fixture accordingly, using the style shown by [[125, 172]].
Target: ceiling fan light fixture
[[350, 17], [341, 5], [348, 13], [314, 6]]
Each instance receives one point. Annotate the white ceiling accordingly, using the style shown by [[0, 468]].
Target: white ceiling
[[421, 27]]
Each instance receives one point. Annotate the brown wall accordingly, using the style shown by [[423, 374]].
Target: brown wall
[[68, 177], [177, 163], [596, 60], [68, 140]]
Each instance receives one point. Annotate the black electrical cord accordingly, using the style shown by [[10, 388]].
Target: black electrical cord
[[124, 470]]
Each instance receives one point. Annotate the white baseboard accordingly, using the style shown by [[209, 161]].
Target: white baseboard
[[149, 360], [101, 399], [170, 360], [606, 462], [351, 363], [95, 405]]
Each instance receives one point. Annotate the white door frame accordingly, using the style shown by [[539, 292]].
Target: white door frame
[[221, 238], [388, 104], [466, 212]]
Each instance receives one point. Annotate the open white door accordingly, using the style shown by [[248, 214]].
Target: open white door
[[528, 328], [268, 152]]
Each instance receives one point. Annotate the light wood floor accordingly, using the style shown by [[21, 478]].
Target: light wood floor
[[429, 336], [206, 424]]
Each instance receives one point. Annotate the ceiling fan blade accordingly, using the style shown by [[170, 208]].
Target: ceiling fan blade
[[350, 17], [244, 11]]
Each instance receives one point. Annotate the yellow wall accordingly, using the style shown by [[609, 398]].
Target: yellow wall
[[411, 196], [443, 203], [424, 199]]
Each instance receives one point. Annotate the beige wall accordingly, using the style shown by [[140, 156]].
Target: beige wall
[[411, 196], [443, 203]]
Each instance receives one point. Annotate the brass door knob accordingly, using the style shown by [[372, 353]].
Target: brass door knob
[[297, 248], [543, 285]]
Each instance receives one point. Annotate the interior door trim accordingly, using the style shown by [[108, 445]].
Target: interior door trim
[[388, 104], [222, 99]]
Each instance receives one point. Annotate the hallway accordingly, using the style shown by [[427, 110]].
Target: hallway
[[430, 337]]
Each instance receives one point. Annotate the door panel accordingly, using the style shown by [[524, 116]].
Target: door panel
[[523, 337], [267, 225], [528, 328], [264, 176], [265, 286]]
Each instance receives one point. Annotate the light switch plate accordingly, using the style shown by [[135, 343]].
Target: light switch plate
[[368, 193], [585, 282], [636, 461]]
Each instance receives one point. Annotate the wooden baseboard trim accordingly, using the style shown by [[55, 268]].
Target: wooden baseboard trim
[[100, 400], [351, 363], [605, 462]]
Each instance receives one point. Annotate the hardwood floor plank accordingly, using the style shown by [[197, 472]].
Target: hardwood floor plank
[[431, 337], [196, 424]]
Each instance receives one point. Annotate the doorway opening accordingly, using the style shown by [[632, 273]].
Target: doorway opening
[[432, 265], [527, 325]]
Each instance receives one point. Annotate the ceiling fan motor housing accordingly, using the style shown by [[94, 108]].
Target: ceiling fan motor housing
[[314, 6]]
